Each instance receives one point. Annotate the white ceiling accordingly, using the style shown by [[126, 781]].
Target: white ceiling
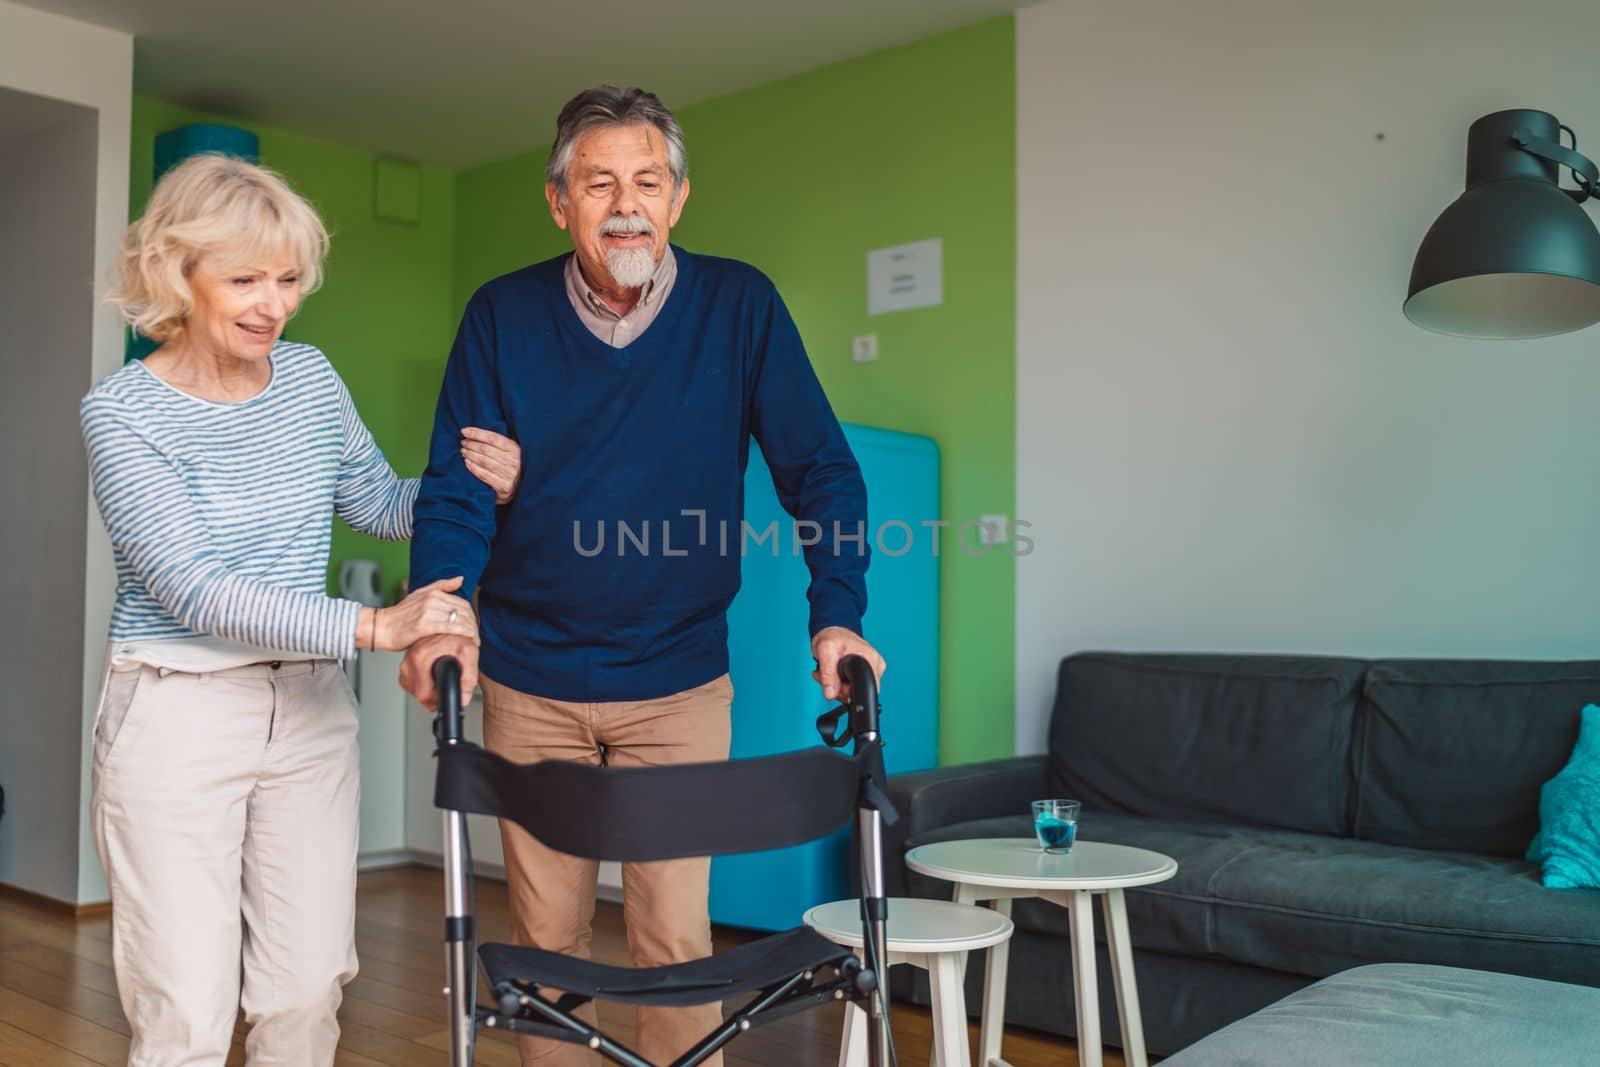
[[454, 83]]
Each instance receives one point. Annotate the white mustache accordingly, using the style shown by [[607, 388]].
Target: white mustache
[[626, 224]]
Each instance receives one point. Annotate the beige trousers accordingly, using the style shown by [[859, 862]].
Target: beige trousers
[[225, 809], [552, 894]]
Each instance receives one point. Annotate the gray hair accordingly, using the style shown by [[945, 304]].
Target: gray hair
[[607, 105]]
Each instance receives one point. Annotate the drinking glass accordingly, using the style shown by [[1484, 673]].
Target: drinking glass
[[1055, 824]]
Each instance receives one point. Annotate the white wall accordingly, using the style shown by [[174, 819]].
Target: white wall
[[76, 63], [1229, 438], [382, 706]]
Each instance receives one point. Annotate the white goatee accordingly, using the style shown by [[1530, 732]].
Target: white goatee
[[630, 268]]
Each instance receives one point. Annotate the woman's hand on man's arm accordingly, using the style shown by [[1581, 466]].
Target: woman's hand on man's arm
[[494, 459]]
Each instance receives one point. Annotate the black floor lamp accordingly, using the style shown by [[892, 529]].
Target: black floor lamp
[[1515, 256]]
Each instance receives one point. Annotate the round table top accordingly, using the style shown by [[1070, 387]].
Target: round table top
[[914, 925], [1018, 863]]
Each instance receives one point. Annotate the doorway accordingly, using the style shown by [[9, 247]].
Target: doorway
[[49, 281]]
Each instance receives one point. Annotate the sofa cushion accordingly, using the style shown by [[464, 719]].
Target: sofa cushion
[[1316, 905], [1451, 754], [1264, 740]]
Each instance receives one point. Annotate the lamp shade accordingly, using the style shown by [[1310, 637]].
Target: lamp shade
[[1514, 256]]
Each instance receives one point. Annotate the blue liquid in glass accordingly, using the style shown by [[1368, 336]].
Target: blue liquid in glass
[[1055, 835]]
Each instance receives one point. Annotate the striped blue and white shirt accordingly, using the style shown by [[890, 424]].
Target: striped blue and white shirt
[[220, 514]]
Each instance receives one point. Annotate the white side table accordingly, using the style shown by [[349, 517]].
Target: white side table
[[1003, 869], [935, 935]]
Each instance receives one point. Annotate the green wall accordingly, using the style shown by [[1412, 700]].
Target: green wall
[[385, 314], [502, 221], [802, 177]]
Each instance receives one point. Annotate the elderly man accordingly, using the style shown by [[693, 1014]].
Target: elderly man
[[634, 375]]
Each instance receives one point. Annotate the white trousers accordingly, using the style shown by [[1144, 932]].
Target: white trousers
[[225, 809]]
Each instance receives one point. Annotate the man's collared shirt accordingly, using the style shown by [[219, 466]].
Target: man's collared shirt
[[619, 331]]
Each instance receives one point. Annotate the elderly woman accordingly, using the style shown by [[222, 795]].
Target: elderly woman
[[225, 767]]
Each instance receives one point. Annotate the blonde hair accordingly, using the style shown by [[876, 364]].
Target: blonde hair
[[210, 205]]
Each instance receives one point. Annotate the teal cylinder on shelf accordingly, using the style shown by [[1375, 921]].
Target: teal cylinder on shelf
[[175, 146]]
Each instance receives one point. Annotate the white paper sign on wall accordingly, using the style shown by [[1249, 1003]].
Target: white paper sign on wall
[[905, 276]]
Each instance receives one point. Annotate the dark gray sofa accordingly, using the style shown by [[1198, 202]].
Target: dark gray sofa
[[1325, 813]]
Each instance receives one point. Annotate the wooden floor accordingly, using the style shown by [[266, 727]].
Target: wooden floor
[[58, 996]]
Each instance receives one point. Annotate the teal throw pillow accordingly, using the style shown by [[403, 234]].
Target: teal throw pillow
[[1567, 845]]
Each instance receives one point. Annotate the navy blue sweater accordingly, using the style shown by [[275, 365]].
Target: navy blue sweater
[[602, 580]]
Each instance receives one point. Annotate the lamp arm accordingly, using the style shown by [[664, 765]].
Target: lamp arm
[[1582, 167]]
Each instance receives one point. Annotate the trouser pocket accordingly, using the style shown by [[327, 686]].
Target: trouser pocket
[[112, 718]]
